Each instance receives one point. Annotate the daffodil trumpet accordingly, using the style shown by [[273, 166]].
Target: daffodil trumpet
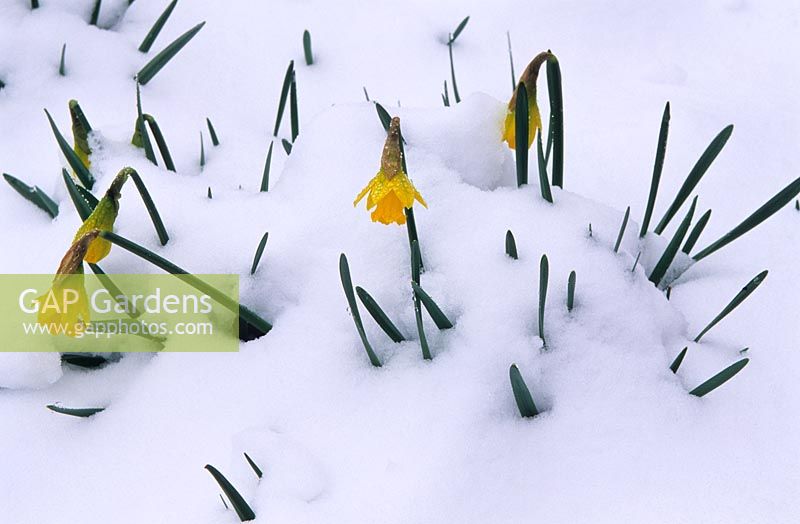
[[528, 78], [66, 305], [103, 218], [390, 192]]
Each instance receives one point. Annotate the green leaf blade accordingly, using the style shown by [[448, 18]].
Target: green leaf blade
[[695, 175], [511, 245], [380, 317], [75, 412], [151, 35], [760, 215], [259, 252], [155, 65], [658, 167], [719, 379], [521, 134], [740, 297], [242, 508], [672, 248], [436, 313], [33, 195], [522, 395], [347, 285], [556, 118], [74, 162]]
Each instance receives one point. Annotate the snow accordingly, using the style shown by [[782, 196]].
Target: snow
[[620, 439]]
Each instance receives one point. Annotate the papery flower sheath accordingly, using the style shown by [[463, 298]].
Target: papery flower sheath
[[390, 192], [528, 78], [65, 306], [103, 218]]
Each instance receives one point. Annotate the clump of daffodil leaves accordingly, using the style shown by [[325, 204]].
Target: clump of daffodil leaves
[[390, 192]]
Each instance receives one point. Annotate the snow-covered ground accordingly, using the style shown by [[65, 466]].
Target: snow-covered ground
[[620, 439]]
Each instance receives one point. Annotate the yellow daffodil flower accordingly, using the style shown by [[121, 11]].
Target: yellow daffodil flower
[[66, 305], [102, 218], [528, 78], [390, 192]]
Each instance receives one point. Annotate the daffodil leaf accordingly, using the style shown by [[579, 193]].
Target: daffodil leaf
[[74, 162], [544, 183], [511, 245], [95, 12], [62, 68], [254, 466], [151, 35], [79, 196], [521, 134], [416, 266], [759, 215], [556, 118], [259, 252], [695, 175], [571, 290], [740, 297], [242, 508], [661, 151], [456, 96], [265, 175], [380, 317], [384, 116], [672, 248], [212, 132], [697, 230], [294, 118], [34, 194], [719, 379], [458, 30], [257, 325], [347, 284], [307, 48], [439, 318], [160, 142], [522, 395], [84, 360], [622, 228], [511, 62], [116, 292], [544, 276], [155, 65], [155, 217], [287, 82], [75, 412], [678, 360]]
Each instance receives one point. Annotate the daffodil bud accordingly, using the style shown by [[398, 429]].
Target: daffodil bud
[[529, 77], [80, 133], [65, 306], [390, 191], [103, 218]]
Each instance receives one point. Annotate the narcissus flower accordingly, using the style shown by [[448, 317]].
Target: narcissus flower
[[80, 133], [66, 305], [528, 78], [390, 192], [102, 218]]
